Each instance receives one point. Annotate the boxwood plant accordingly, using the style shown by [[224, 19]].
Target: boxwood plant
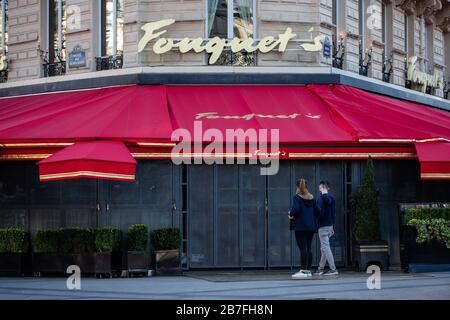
[[166, 239], [77, 240], [138, 237], [13, 240]]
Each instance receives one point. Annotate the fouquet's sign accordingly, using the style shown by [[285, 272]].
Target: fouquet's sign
[[426, 80], [214, 46]]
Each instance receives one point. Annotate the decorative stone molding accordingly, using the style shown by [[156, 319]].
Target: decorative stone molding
[[428, 10], [409, 6], [443, 18]]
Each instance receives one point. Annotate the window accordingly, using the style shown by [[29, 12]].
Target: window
[[57, 31], [334, 19], [3, 26], [361, 18], [230, 18], [384, 27], [406, 34], [112, 27]]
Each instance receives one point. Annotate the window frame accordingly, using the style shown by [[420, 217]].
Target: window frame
[[53, 23], [114, 31], [230, 19]]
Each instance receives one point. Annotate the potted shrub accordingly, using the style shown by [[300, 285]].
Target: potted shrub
[[137, 254], [368, 248], [13, 251], [425, 237], [95, 251], [166, 243], [107, 258]]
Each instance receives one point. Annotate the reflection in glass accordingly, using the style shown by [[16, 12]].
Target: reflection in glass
[[217, 18], [58, 26], [113, 46], [228, 19], [243, 19]]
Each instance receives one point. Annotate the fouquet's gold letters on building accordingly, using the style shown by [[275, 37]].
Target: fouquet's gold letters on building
[[214, 46]]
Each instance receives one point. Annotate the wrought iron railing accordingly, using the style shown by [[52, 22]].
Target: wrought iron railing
[[447, 89], [365, 60], [57, 68], [387, 68], [230, 58], [109, 62], [3, 76], [338, 54]]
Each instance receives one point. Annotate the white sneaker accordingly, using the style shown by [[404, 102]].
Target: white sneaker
[[302, 274]]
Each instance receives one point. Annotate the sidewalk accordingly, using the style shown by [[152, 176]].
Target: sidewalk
[[234, 285]]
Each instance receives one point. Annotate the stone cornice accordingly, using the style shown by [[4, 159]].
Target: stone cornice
[[409, 6], [428, 10]]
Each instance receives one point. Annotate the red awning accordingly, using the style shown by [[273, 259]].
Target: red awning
[[434, 160], [314, 121], [117, 113], [298, 113], [378, 118], [108, 160]]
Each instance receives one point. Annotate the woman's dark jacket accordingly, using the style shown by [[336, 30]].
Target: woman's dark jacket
[[305, 213]]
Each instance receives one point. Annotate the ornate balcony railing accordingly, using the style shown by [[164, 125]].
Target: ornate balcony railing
[[365, 60], [54, 69], [3, 76], [447, 89], [109, 62], [387, 68], [243, 58], [339, 54]]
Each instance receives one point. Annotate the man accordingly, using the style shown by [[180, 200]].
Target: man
[[326, 223]]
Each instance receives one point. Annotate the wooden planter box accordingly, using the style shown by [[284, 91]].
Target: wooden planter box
[[14, 264], [431, 252], [365, 254], [97, 263], [137, 262], [168, 261]]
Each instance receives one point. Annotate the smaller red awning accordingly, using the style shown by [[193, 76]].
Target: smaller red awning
[[108, 160], [434, 160]]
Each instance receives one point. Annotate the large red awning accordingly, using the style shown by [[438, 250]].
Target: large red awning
[[314, 121], [434, 160], [109, 160]]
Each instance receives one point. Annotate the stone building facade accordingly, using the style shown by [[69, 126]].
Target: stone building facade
[[375, 37]]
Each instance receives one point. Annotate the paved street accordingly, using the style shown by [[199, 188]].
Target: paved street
[[233, 285]]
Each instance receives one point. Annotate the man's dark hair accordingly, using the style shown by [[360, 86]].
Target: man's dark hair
[[325, 183]]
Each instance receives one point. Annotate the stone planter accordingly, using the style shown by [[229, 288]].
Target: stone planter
[[98, 263], [431, 252], [168, 261], [14, 264], [369, 253], [137, 262]]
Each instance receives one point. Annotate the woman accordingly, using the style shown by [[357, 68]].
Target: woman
[[304, 213]]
